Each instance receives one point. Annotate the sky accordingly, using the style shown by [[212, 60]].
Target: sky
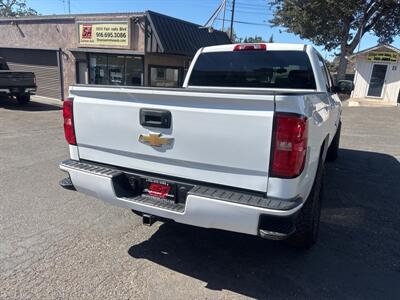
[[256, 12]]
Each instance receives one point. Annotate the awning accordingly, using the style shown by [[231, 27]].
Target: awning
[[107, 51], [169, 35]]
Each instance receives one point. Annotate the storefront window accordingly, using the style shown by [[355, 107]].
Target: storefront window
[[133, 70], [108, 69], [116, 66], [164, 77]]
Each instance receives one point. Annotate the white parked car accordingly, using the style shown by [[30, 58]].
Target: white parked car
[[241, 147]]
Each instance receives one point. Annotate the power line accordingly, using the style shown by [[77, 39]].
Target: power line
[[243, 22], [68, 5], [251, 7], [223, 18], [211, 20], [253, 13]]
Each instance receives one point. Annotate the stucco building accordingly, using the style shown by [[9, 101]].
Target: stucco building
[[109, 49], [377, 74]]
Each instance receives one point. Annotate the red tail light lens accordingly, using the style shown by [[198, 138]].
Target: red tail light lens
[[250, 47], [68, 113], [289, 145]]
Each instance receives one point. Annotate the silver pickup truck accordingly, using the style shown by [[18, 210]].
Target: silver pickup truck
[[241, 147]]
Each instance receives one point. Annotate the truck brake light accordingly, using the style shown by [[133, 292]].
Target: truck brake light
[[68, 114], [289, 145], [250, 47]]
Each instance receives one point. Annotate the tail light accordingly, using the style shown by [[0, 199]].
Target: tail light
[[68, 113], [289, 145], [250, 47]]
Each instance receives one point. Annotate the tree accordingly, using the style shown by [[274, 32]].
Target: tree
[[271, 39], [338, 24], [332, 65], [15, 8], [235, 38], [255, 39]]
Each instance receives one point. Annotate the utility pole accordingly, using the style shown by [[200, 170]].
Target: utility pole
[[223, 19], [232, 16], [69, 6]]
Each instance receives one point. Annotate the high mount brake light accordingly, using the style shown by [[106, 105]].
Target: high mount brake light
[[250, 47], [68, 114], [289, 145]]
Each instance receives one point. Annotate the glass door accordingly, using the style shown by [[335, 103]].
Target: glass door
[[99, 69], [107, 69], [377, 81]]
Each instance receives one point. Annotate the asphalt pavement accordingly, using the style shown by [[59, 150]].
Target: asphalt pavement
[[58, 244]]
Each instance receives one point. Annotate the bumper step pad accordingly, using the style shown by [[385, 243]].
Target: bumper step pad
[[245, 199], [90, 168], [198, 190], [159, 203]]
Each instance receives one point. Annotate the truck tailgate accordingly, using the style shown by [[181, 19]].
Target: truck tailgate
[[220, 138], [16, 79]]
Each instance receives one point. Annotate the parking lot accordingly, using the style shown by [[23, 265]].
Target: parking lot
[[60, 244]]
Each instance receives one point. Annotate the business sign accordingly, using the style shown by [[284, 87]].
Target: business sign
[[112, 34], [383, 56]]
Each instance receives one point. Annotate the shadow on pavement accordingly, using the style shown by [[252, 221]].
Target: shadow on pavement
[[357, 256], [32, 106]]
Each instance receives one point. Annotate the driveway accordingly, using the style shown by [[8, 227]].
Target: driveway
[[57, 244]]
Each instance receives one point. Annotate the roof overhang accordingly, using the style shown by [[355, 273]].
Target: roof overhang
[[107, 51], [169, 35], [389, 47], [71, 16], [25, 48]]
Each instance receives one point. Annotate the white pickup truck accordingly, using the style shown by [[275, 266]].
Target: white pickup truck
[[241, 147]]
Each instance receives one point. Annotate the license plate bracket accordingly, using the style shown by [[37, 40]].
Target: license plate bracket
[[159, 189]]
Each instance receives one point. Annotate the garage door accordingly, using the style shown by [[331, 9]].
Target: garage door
[[43, 63]]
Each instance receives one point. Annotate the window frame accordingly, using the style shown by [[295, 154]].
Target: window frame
[[180, 73], [142, 58], [327, 75]]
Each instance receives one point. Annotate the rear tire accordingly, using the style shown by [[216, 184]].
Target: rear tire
[[23, 99], [308, 219], [333, 149]]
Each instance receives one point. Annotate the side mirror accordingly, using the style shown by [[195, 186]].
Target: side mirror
[[344, 86]]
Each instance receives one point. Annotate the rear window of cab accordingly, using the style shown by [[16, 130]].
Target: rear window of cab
[[254, 69]]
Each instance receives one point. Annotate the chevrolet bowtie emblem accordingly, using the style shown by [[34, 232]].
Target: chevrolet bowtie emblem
[[155, 139]]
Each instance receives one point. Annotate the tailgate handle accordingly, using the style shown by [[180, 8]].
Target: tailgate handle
[[155, 118]]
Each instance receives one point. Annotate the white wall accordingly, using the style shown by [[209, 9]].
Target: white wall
[[361, 78], [363, 74], [392, 85]]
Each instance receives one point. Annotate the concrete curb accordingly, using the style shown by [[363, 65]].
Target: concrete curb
[[366, 103], [49, 101]]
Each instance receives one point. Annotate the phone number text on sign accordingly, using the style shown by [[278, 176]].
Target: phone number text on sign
[[104, 34]]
